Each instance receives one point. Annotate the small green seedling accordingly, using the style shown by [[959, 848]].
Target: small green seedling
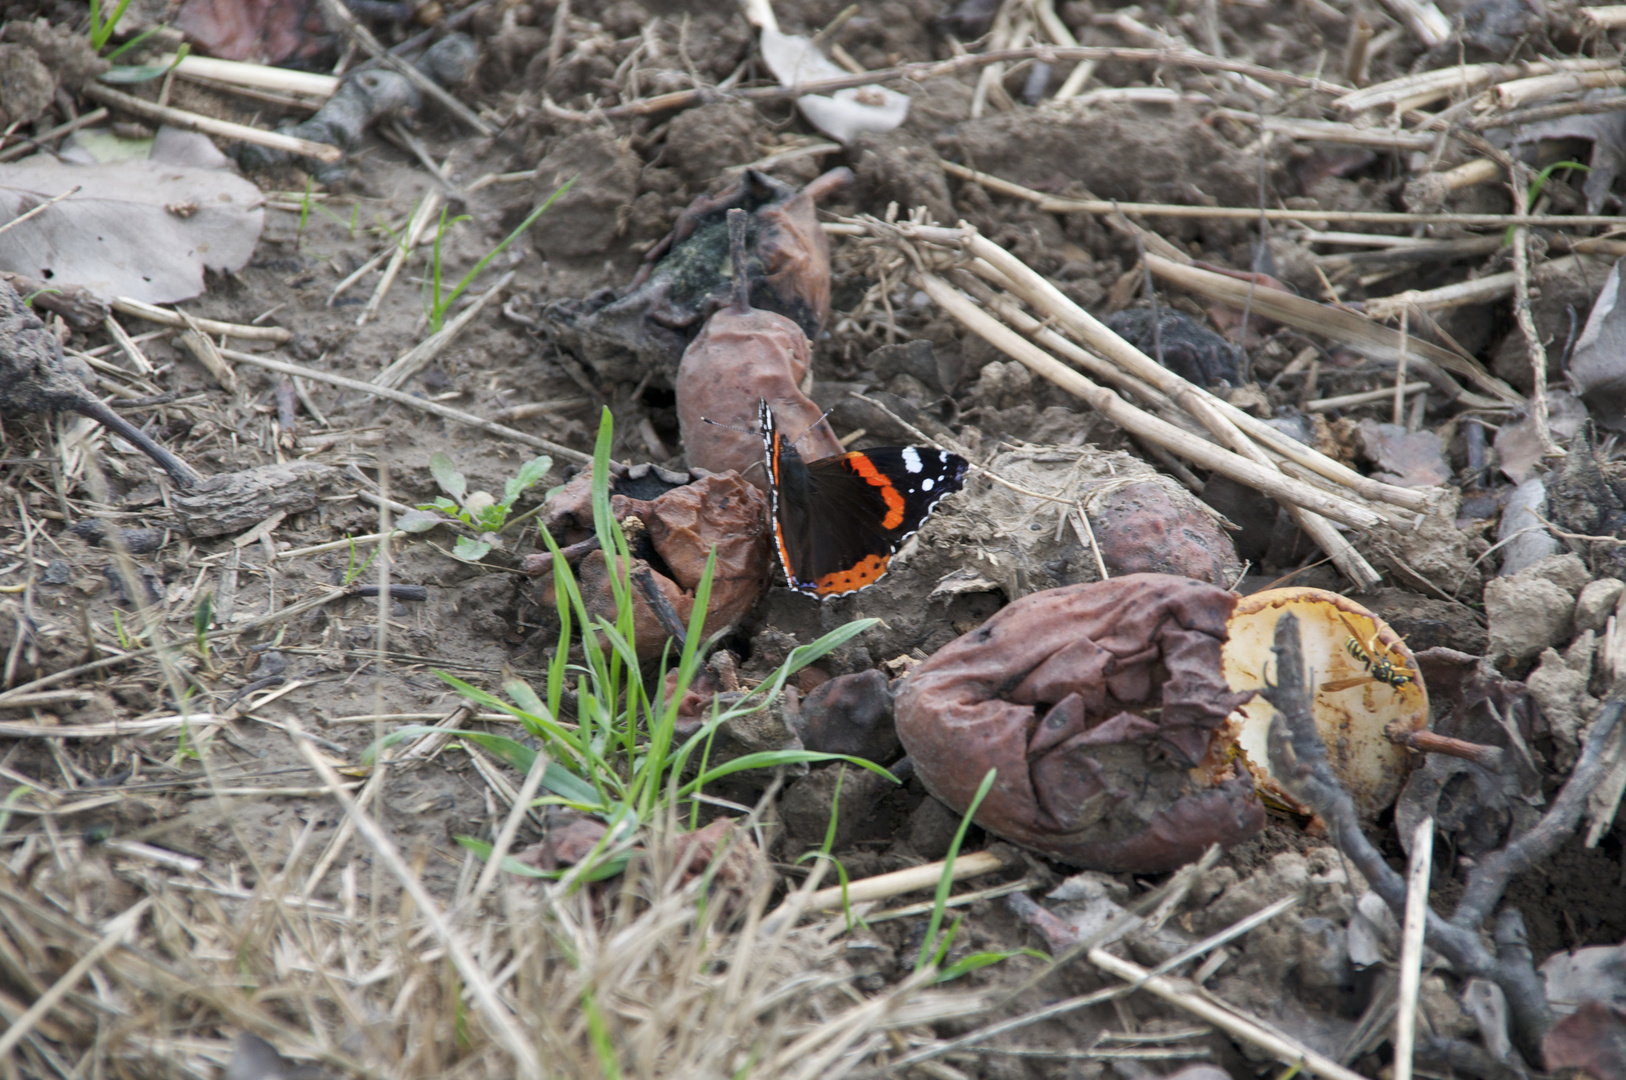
[[621, 757], [435, 304], [102, 29], [201, 618], [304, 214], [357, 566], [479, 510], [1540, 182], [934, 947]]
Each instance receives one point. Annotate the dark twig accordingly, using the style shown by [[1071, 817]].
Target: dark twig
[[1299, 758], [1429, 742], [660, 605]]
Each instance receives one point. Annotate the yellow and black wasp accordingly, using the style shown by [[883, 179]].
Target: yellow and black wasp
[[1380, 666]]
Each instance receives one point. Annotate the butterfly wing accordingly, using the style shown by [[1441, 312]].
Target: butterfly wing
[[852, 513]]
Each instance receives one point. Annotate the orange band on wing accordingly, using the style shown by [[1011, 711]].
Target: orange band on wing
[[865, 573], [894, 501]]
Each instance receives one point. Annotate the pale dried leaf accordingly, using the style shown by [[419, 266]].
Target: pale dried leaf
[[139, 229]]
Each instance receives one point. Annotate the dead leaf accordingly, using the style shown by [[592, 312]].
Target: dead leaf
[[843, 115], [1407, 458], [115, 237], [1598, 366]]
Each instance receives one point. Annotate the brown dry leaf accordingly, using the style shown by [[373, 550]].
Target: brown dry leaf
[[1406, 458], [261, 31], [1592, 1041]]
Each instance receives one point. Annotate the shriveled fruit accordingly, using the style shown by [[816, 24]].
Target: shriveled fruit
[[1366, 679], [1103, 708]]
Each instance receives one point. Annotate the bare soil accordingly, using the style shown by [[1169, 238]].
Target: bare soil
[[480, 622]]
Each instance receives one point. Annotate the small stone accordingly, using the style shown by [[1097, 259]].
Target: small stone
[[1596, 603], [1567, 571], [1527, 614]]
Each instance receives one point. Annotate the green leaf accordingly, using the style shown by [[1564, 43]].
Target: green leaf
[[418, 521], [971, 962], [555, 777], [446, 475], [204, 615], [930, 945], [530, 473], [769, 759], [134, 73], [470, 550]]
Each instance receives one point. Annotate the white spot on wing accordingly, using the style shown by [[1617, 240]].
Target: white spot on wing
[[927, 484], [911, 459]]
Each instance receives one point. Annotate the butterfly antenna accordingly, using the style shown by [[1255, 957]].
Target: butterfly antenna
[[736, 251], [825, 415]]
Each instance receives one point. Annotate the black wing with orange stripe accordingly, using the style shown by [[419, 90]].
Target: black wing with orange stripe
[[839, 520]]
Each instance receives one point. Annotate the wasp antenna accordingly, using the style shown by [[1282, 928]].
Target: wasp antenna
[[736, 251]]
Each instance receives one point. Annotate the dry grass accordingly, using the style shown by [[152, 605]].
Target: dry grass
[[143, 970]]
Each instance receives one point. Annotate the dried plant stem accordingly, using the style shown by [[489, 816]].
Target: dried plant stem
[[165, 317], [117, 930], [1056, 205], [1366, 337], [1140, 423], [1427, 86], [936, 69], [41, 208], [10, 153], [1411, 946], [1365, 397], [484, 994], [256, 76], [1526, 320], [421, 217], [1135, 370], [499, 430], [1228, 1021], [190, 121], [418, 357], [883, 886], [1298, 757], [1482, 290]]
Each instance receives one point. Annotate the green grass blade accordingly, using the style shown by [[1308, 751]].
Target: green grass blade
[[929, 946]]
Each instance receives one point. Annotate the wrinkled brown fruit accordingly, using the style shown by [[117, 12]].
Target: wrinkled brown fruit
[[737, 360], [1098, 704], [1146, 529], [642, 330], [674, 533]]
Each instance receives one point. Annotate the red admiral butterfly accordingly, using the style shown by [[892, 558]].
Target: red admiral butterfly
[[838, 521]]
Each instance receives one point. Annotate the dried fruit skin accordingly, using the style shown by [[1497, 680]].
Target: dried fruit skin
[[679, 530], [1142, 529], [1054, 692], [737, 360], [642, 331]]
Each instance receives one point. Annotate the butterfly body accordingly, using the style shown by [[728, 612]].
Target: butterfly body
[[838, 520]]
